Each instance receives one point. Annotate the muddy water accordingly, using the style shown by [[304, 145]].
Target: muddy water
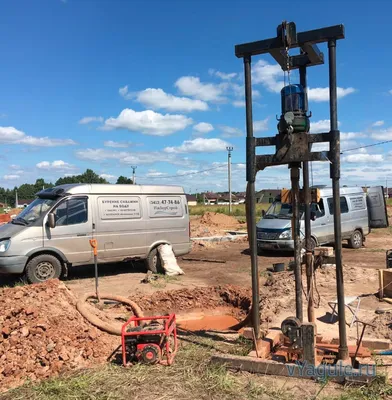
[[208, 322]]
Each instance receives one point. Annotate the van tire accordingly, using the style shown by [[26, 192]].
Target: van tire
[[313, 243], [42, 268], [153, 262], [356, 240]]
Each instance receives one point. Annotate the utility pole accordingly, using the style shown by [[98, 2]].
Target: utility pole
[[134, 174], [229, 150], [386, 184]]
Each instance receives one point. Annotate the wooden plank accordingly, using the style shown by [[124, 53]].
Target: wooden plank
[[204, 260], [270, 367], [387, 282]]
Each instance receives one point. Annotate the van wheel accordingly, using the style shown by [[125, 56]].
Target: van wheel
[[153, 262], [42, 268], [356, 240], [313, 243]]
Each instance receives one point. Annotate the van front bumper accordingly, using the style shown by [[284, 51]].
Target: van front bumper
[[284, 245], [12, 264]]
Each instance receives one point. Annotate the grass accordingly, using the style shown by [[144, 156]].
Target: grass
[[192, 376], [237, 210], [160, 281]]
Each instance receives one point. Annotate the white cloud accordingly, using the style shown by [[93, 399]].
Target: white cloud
[[199, 145], [152, 173], [390, 91], [58, 165], [378, 123], [322, 94], [229, 131], [203, 127], [363, 158], [222, 75], [383, 134], [112, 143], [191, 86], [158, 99], [88, 120], [320, 126], [11, 135], [12, 177], [148, 122], [239, 103], [259, 126], [108, 177], [131, 158], [124, 93], [344, 136], [269, 75]]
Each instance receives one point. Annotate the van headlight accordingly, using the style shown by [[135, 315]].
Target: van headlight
[[4, 245], [285, 234]]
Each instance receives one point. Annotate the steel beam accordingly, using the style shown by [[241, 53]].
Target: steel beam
[[251, 178], [267, 160], [303, 38], [335, 176]]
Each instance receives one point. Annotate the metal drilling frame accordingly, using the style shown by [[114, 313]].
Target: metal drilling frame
[[295, 150]]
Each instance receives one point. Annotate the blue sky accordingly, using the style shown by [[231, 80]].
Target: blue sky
[[108, 84]]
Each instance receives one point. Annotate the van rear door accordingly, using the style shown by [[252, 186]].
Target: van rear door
[[377, 208]]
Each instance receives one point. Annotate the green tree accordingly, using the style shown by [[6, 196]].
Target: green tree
[[89, 176], [124, 180]]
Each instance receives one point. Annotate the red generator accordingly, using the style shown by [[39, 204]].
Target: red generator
[[149, 340]]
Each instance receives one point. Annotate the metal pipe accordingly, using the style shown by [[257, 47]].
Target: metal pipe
[[308, 243], [229, 149], [251, 177], [335, 175], [294, 175]]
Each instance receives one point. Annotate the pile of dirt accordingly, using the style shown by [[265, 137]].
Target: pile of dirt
[[42, 334], [221, 220], [211, 224], [382, 326]]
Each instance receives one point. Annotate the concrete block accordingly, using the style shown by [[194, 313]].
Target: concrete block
[[376, 344], [247, 333], [324, 251], [274, 337]]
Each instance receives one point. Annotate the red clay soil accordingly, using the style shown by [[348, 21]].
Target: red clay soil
[[216, 219], [42, 334]]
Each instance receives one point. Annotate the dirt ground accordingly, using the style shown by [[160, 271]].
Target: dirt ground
[[217, 280]]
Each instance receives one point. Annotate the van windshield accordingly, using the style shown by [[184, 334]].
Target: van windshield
[[34, 211], [281, 210]]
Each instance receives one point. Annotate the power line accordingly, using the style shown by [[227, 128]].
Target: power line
[[365, 146], [185, 174]]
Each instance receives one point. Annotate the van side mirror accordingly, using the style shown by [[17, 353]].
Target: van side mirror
[[263, 213], [313, 216], [51, 220]]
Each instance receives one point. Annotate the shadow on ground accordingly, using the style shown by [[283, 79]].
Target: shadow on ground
[[83, 272]]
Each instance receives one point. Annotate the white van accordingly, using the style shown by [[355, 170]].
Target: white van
[[128, 221], [360, 212]]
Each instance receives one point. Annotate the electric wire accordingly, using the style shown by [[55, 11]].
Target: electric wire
[[365, 146]]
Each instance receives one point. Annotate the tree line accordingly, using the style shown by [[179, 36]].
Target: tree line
[[27, 191]]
